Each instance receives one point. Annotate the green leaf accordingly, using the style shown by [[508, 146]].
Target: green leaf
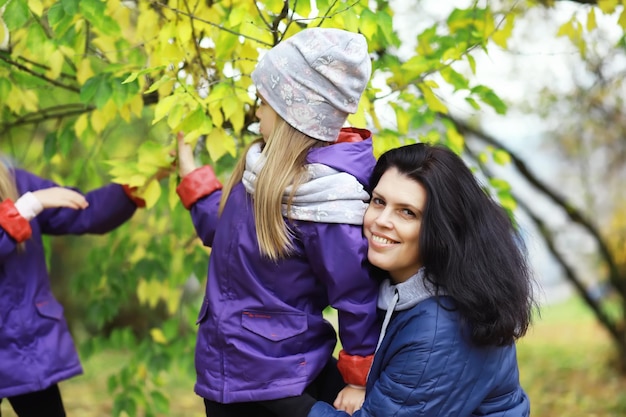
[[458, 81], [368, 23], [50, 145], [96, 90], [161, 403], [95, 12], [56, 13], [500, 184], [501, 157], [112, 383], [487, 95], [16, 14], [472, 63], [5, 87], [70, 6], [303, 8], [473, 103]]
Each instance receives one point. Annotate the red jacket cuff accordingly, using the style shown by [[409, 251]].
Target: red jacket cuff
[[199, 183], [130, 192], [13, 223], [354, 368]]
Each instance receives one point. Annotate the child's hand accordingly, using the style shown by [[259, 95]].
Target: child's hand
[[60, 197], [186, 163], [350, 399]]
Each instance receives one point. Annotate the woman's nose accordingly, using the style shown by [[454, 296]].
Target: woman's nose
[[384, 219]]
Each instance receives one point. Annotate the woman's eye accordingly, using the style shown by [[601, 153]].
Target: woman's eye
[[408, 213], [377, 201]]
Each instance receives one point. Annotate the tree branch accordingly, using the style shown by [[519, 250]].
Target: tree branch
[[225, 29], [575, 215], [5, 57], [614, 329]]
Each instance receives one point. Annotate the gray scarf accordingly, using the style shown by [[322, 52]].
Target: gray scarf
[[402, 296], [329, 196]]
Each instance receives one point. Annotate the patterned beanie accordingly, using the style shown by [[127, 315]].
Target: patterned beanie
[[314, 79]]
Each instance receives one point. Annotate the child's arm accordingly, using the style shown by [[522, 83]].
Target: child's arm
[[15, 217], [338, 254], [199, 191]]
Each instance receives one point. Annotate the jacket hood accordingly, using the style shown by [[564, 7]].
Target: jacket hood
[[352, 153]]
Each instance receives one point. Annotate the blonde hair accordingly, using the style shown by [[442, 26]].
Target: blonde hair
[[8, 188], [285, 151]]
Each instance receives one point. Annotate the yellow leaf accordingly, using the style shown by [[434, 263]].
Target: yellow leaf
[[218, 143], [607, 6], [432, 100], [136, 105], [30, 101], [403, 119], [230, 104], [84, 71], [237, 16], [175, 115], [147, 25], [173, 300], [622, 19], [19, 99], [107, 46], [455, 140], [158, 336], [124, 112], [591, 20], [566, 29], [172, 196], [502, 36], [138, 254], [100, 118], [215, 110], [163, 107], [358, 119], [431, 83], [36, 6], [81, 124], [4, 35], [166, 88], [184, 31], [150, 193]]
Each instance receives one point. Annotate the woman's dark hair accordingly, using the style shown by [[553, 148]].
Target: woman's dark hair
[[469, 246]]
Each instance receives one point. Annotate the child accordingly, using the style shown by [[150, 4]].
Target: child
[[36, 348], [457, 293], [286, 239]]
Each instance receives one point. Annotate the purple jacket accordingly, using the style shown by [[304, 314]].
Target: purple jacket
[[262, 335], [36, 349]]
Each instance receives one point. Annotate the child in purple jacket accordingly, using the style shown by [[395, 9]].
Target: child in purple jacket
[[36, 348], [286, 240]]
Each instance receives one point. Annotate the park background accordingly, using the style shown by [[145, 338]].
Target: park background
[[529, 92]]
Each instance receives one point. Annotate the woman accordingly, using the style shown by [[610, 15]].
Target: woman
[[457, 293]]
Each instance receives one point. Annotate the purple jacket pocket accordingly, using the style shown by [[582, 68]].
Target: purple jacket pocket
[[50, 308], [272, 325]]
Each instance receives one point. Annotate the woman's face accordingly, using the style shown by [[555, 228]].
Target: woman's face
[[267, 118], [392, 225]]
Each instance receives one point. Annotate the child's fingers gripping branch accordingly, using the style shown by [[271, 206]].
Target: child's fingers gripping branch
[[186, 163]]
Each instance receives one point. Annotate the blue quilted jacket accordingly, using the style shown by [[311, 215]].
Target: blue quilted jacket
[[426, 367]]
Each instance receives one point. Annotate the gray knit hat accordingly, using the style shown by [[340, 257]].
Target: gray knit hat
[[314, 79]]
